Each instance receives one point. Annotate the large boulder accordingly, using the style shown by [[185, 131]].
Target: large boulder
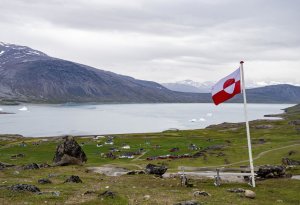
[[69, 152], [250, 194], [155, 169], [271, 171]]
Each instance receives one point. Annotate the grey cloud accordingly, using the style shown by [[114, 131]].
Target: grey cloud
[[189, 38]]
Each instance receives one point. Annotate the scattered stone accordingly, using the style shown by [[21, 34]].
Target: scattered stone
[[69, 152], [146, 197], [292, 152], [174, 149], [290, 162], [250, 194], [236, 190], [192, 202], [279, 201], [226, 161], [17, 156], [44, 165], [199, 154], [89, 192], [108, 194], [263, 126], [271, 171], [25, 187], [73, 179], [110, 155], [52, 175], [155, 169], [135, 172], [294, 122], [55, 193], [44, 181], [31, 166], [16, 172], [214, 147], [201, 193], [220, 154], [5, 165]]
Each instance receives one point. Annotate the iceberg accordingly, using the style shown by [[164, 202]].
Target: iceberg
[[23, 109]]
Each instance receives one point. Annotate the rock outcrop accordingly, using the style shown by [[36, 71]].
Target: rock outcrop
[[155, 169], [270, 171], [69, 152], [25, 187]]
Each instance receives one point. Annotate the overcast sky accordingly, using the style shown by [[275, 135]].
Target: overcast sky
[[163, 40]]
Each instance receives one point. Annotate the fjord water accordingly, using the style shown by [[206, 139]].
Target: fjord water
[[54, 120]]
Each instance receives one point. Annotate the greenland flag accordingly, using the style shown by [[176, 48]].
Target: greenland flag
[[227, 87]]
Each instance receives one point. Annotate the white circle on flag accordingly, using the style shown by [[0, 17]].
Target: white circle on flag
[[230, 89], [229, 86]]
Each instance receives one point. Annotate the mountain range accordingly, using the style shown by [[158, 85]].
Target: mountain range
[[29, 75]]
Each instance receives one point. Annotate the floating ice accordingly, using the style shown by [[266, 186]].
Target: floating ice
[[193, 120], [23, 109], [202, 120], [209, 114], [1, 109]]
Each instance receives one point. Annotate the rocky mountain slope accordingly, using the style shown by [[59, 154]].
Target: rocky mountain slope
[[32, 76]]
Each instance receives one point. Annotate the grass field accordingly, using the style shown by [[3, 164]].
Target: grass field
[[278, 140]]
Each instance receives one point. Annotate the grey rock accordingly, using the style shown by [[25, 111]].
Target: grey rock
[[264, 126], [155, 169], [44, 181], [31, 166], [271, 171], [25, 187], [294, 122], [5, 165], [44, 165], [192, 202], [201, 193], [73, 179], [69, 152], [109, 194], [236, 190], [56, 193], [250, 194], [290, 162]]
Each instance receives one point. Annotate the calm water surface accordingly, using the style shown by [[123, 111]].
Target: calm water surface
[[53, 120]]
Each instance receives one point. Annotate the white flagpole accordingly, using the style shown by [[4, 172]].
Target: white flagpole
[[247, 124]]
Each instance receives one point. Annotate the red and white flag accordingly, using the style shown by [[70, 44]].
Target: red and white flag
[[227, 87]]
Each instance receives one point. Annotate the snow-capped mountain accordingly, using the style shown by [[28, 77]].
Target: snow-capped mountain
[[190, 86], [205, 87], [11, 54]]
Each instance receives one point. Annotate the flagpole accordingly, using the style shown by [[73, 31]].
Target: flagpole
[[247, 125]]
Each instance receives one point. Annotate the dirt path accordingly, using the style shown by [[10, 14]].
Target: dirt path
[[255, 158], [138, 158]]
